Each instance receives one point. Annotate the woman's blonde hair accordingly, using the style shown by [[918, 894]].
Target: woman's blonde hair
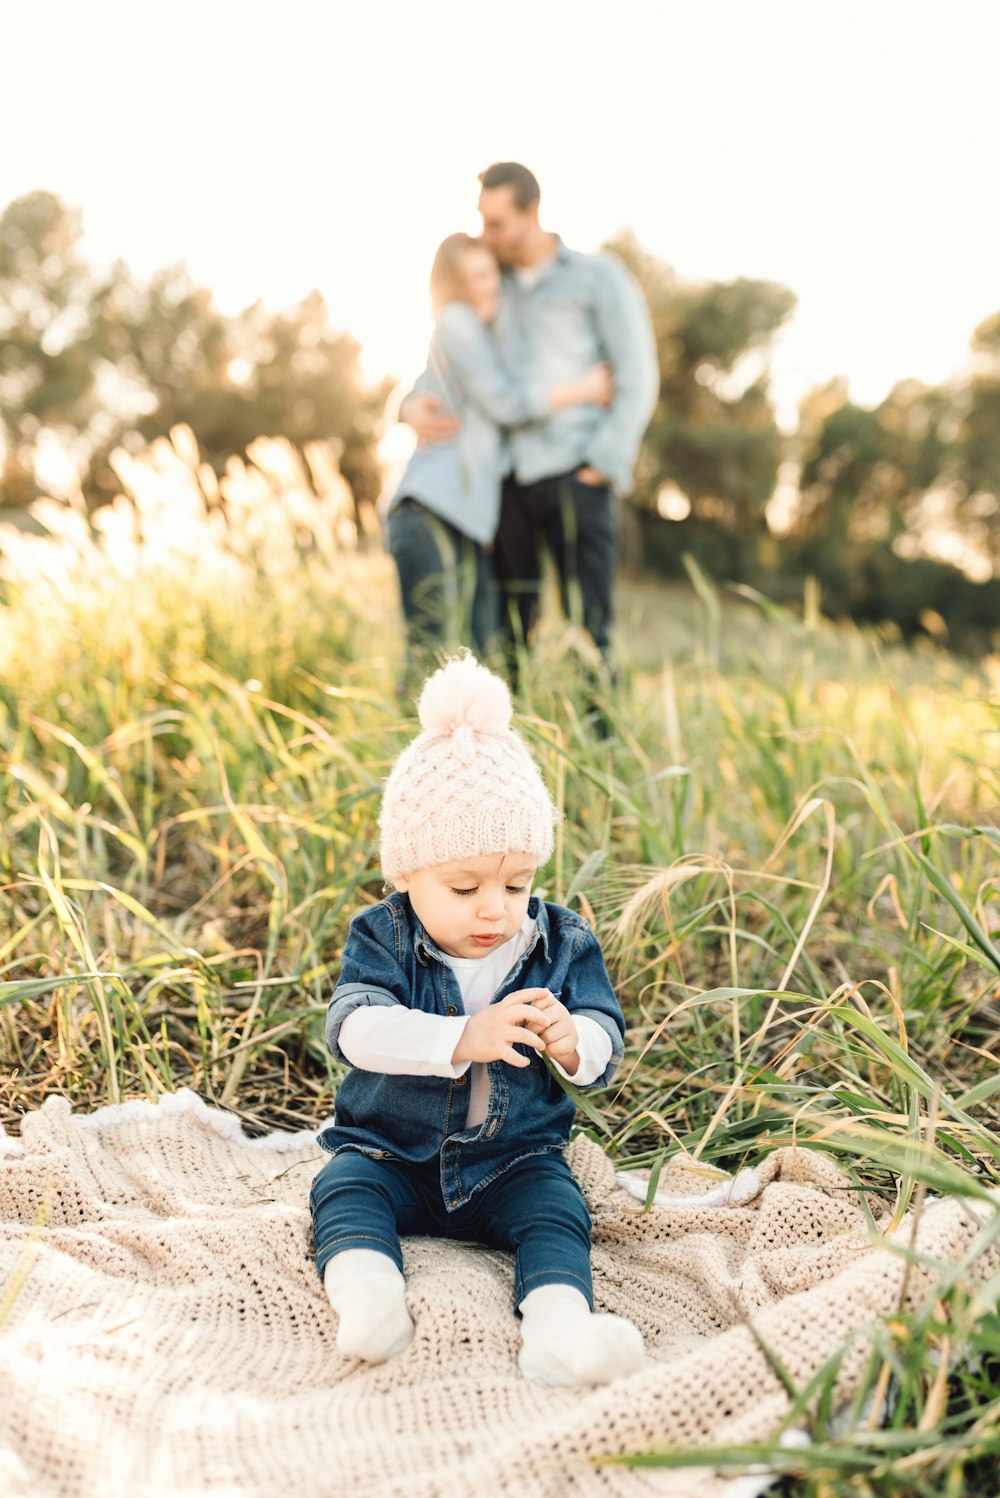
[[446, 284]]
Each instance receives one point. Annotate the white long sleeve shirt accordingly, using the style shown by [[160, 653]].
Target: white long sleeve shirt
[[407, 1042]]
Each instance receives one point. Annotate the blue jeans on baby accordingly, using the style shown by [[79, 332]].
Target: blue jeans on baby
[[534, 1209]]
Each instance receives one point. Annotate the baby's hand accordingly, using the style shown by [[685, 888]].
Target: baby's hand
[[492, 1034], [554, 1026]]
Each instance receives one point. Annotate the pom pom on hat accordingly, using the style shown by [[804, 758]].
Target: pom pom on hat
[[467, 785], [464, 694]]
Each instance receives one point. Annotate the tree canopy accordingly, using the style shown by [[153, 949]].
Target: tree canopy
[[106, 360], [713, 434]]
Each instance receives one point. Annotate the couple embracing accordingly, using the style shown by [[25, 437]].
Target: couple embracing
[[540, 381]]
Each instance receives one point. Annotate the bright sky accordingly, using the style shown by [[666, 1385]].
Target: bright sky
[[848, 149]]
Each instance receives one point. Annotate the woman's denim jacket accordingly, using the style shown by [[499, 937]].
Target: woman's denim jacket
[[390, 959]]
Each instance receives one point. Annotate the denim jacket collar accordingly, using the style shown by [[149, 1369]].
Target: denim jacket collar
[[426, 949]]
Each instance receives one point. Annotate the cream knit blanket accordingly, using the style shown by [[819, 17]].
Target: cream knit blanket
[[163, 1332]]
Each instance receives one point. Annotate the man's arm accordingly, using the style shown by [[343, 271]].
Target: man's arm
[[473, 362], [465, 348], [626, 333]]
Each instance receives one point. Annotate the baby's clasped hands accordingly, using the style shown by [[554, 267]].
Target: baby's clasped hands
[[531, 1017], [553, 1024], [492, 1034]]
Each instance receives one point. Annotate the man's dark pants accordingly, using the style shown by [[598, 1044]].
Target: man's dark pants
[[576, 521]]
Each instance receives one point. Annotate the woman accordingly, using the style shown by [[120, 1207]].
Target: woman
[[443, 514]]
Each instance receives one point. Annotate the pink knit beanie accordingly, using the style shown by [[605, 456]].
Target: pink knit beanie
[[467, 785]]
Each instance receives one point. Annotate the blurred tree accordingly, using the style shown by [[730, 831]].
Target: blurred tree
[[47, 376], [305, 382], [163, 351], [882, 476], [261, 373], [977, 445], [115, 360], [838, 466], [864, 471], [885, 512], [713, 434]]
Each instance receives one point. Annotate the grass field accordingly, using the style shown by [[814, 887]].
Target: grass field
[[789, 849]]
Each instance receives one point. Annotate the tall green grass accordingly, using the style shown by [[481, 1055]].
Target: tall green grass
[[788, 846]]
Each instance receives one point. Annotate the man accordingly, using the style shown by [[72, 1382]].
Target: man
[[560, 312]]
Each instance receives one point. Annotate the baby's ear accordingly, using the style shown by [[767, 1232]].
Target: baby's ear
[[402, 883]]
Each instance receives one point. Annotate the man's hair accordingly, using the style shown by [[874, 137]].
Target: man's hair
[[512, 174]]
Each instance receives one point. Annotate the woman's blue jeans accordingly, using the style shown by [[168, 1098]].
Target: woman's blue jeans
[[534, 1209], [445, 579]]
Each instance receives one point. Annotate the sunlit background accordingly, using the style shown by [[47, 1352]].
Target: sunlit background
[[848, 151]]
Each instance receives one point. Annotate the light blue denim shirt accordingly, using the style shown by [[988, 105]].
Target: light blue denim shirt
[[460, 481], [578, 310]]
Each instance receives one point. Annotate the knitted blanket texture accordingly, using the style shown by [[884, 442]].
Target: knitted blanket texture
[[164, 1334]]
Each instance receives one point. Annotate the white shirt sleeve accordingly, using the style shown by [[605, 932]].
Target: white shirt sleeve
[[407, 1042], [593, 1048], [403, 1042]]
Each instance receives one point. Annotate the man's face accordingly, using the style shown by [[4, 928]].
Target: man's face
[[506, 227]]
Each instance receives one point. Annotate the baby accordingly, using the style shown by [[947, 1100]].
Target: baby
[[457, 994]]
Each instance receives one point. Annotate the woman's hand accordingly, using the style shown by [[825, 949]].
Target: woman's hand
[[430, 418], [593, 388], [492, 1034], [597, 386]]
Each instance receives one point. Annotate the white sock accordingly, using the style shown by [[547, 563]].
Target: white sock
[[369, 1295], [564, 1343]]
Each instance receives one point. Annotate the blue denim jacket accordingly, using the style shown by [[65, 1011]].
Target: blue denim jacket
[[390, 959], [460, 480]]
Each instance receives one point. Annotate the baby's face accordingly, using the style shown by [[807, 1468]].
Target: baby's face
[[472, 905]]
